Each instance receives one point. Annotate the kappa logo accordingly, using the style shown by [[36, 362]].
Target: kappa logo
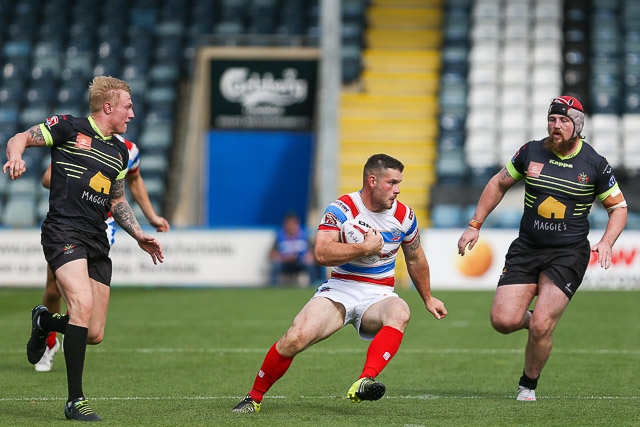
[[69, 249]]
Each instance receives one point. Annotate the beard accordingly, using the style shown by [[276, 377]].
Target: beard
[[562, 146]]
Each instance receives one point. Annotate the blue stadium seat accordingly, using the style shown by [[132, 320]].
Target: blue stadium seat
[[41, 92], [447, 216], [12, 91], [16, 68], [351, 63], [143, 17], [33, 114], [17, 48], [108, 67], [9, 111], [154, 165], [156, 138], [161, 93], [19, 212], [27, 185], [164, 72]]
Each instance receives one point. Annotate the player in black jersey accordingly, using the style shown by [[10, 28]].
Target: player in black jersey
[[563, 175], [88, 164]]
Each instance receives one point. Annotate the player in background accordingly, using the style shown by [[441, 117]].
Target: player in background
[[563, 175], [51, 297], [358, 294]]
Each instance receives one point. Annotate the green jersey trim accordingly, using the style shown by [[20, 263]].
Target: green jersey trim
[[513, 172]]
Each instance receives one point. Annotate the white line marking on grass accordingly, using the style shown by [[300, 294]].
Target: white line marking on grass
[[102, 349], [409, 397]]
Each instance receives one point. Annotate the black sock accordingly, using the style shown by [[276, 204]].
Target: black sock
[[54, 322], [75, 347], [527, 382]]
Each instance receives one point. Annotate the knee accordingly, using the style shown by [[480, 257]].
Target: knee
[[292, 343], [95, 337], [539, 329], [402, 318], [505, 324], [51, 292], [398, 317]]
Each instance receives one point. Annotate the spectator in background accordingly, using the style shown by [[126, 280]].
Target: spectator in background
[[88, 166], [563, 175], [51, 297], [292, 253]]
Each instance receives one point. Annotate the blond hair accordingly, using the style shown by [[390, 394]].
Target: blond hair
[[105, 89]]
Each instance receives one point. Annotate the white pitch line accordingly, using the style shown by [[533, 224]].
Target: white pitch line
[[604, 352], [416, 397]]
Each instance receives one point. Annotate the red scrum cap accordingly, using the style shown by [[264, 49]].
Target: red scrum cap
[[570, 107]]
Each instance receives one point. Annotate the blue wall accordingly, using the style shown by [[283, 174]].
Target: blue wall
[[254, 178]]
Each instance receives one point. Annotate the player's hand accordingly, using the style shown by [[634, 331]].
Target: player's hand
[[160, 223], [15, 167], [603, 249], [468, 240], [436, 307], [152, 247], [374, 241]]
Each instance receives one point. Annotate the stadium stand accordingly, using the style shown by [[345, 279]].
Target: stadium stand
[[393, 107], [50, 50], [504, 60], [454, 86]]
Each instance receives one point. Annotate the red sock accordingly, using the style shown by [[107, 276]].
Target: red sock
[[273, 368], [383, 347], [51, 339]]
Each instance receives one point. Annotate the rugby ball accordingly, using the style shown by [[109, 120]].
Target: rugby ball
[[353, 231]]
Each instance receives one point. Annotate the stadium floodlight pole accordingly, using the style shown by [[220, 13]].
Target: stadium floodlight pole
[[330, 80]]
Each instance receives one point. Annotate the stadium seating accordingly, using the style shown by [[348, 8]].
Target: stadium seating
[[506, 59], [50, 50], [490, 68]]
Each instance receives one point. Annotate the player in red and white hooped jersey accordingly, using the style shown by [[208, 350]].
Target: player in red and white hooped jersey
[[52, 298], [357, 294], [397, 226]]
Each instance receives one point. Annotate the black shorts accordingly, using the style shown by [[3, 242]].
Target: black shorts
[[62, 244], [565, 265]]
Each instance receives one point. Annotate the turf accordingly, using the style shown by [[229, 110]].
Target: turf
[[187, 356]]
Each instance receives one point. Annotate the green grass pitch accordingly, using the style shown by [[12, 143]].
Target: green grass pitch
[[186, 356]]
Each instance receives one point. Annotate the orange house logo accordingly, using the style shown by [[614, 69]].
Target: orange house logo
[[100, 183]]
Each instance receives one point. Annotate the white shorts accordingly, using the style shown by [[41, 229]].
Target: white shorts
[[356, 297], [111, 230]]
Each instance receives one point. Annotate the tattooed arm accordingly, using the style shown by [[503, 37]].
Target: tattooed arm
[[491, 196], [16, 145], [493, 193], [124, 216], [122, 212], [418, 269]]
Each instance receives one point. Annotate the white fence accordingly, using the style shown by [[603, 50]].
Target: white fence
[[239, 258]]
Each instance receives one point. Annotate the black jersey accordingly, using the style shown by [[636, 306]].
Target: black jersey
[[84, 166], [559, 192]]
